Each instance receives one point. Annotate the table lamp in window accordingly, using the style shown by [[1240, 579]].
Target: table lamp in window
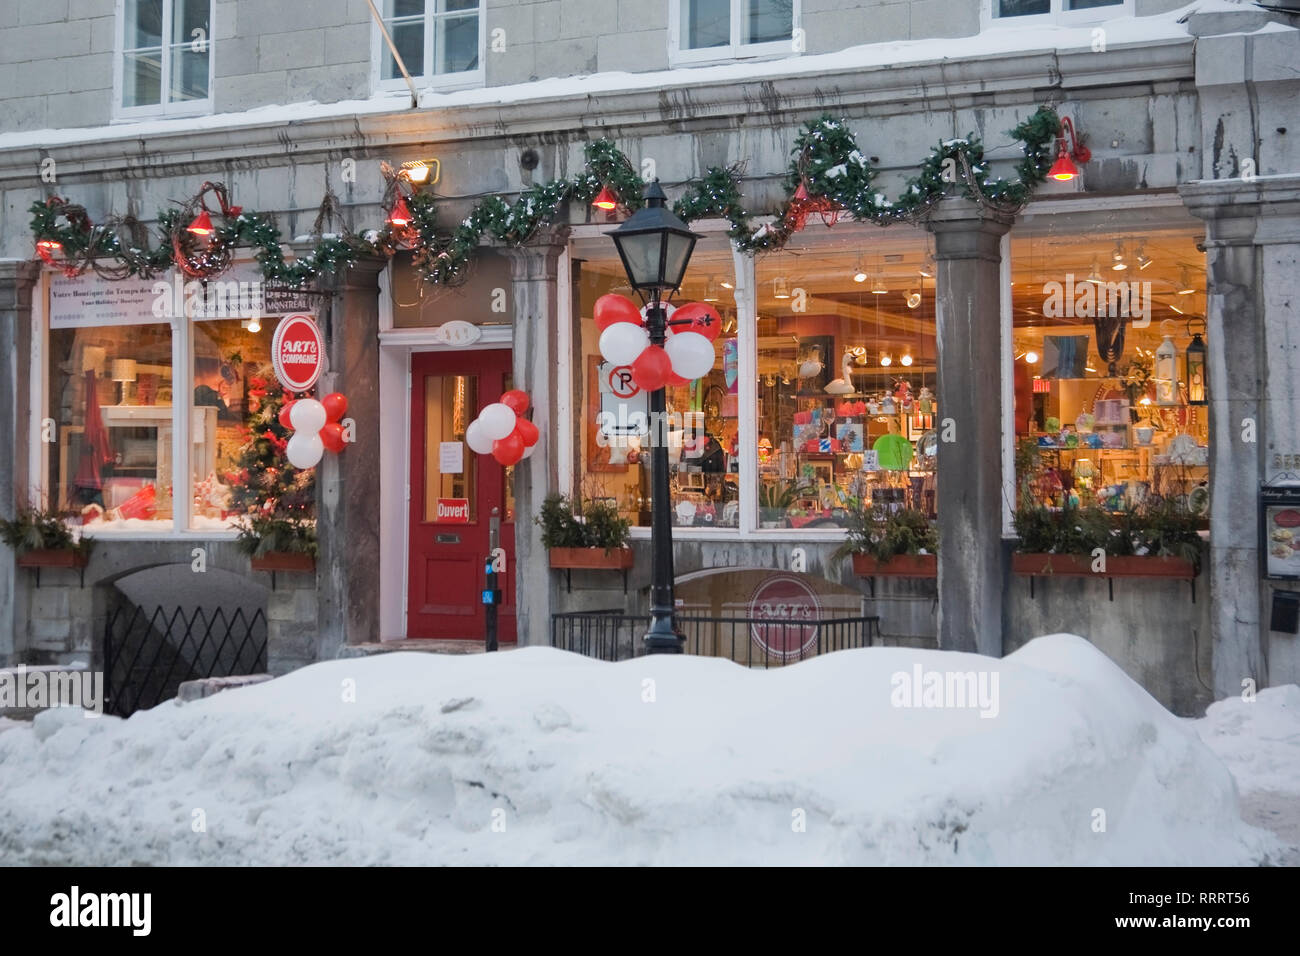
[[124, 373]]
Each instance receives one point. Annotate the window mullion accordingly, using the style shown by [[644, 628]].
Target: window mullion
[[737, 11], [165, 55], [182, 416], [430, 49]]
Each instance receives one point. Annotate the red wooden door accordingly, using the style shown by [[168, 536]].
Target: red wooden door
[[453, 492]]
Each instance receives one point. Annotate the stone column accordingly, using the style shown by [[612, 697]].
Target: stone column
[[534, 269], [1253, 252], [17, 280], [347, 571], [971, 570]]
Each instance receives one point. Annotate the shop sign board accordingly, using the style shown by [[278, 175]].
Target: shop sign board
[[298, 352], [89, 300], [785, 612], [453, 511], [1279, 523]]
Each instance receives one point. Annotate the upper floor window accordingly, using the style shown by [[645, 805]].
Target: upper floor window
[[440, 42], [722, 29], [1014, 11], [165, 64]]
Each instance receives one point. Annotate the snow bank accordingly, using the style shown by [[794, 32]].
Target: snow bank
[[1258, 740], [539, 756]]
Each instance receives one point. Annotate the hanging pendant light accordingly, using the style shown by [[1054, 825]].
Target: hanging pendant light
[[605, 199], [400, 215], [202, 224], [859, 273], [1064, 169], [779, 289], [878, 287], [1185, 286]]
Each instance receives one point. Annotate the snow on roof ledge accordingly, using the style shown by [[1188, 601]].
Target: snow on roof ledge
[[995, 41]]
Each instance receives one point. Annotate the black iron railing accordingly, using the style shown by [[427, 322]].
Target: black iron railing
[[611, 635], [148, 655]]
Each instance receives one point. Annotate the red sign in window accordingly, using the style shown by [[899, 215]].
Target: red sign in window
[[453, 511]]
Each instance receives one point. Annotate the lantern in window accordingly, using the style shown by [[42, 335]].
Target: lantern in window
[[1166, 372], [1196, 391]]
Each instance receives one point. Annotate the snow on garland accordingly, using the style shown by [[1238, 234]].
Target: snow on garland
[[828, 174]]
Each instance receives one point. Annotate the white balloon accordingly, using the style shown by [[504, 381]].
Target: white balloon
[[496, 421], [622, 342], [476, 440], [691, 354], [307, 415], [304, 449], [528, 451]]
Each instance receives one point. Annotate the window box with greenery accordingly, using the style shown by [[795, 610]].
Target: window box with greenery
[[1159, 540], [885, 543], [41, 539], [279, 544], [594, 537]]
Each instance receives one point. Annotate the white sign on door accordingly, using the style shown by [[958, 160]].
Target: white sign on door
[[451, 457]]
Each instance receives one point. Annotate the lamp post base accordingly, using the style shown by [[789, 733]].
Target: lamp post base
[[661, 638]]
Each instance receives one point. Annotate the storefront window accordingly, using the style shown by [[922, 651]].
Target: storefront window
[[116, 402], [846, 406], [237, 444], [110, 446], [703, 418], [1110, 387]]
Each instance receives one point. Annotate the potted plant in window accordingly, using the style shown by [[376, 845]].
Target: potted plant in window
[[276, 543], [595, 538], [40, 539], [890, 543], [775, 499]]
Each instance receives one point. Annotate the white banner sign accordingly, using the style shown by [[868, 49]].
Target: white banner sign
[[90, 300]]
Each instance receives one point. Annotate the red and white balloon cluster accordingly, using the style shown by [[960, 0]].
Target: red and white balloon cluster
[[315, 426], [502, 431], [686, 355]]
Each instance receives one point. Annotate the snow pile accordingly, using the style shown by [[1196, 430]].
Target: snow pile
[[1259, 740], [539, 756]]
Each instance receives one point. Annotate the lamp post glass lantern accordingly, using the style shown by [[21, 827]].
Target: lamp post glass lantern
[[655, 247]]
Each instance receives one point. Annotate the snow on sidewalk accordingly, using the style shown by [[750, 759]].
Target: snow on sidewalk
[[1259, 741], [539, 756]]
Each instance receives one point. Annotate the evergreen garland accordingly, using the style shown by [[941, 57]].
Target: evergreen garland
[[826, 166]]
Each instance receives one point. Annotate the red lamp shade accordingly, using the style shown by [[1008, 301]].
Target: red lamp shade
[[202, 224], [801, 192], [1063, 169], [51, 246], [400, 215], [605, 199]]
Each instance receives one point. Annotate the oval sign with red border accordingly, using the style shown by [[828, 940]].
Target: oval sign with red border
[[785, 614], [298, 352]]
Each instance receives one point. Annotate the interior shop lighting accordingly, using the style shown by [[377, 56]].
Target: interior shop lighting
[[711, 291], [859, 273], [878, 287], [1031, 357], [1095, 276], [1117, 258], [779, 290], [885, 360], [913, 299], [1143, 260], [906, 359], [1185, 286]]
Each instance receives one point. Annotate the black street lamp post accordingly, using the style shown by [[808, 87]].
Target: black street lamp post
[[655, 247]]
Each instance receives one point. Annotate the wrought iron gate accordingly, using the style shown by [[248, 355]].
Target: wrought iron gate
[[147, 656]]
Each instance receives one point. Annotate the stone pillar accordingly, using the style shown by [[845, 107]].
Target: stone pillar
[[1253, 254], [536, 362], [971, 569], [17, 280], [347, 571]]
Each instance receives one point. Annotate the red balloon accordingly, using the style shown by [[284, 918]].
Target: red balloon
[[336, 406], [527, 431], [516, 399], [615, 308], [331, 436], [703, 318], [652, 368], [676, 380], [284, 415], [508, 450]]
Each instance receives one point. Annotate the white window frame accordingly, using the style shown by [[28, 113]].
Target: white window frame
[[1059, 15], [681, 55], [165, 107], [440, 82]]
